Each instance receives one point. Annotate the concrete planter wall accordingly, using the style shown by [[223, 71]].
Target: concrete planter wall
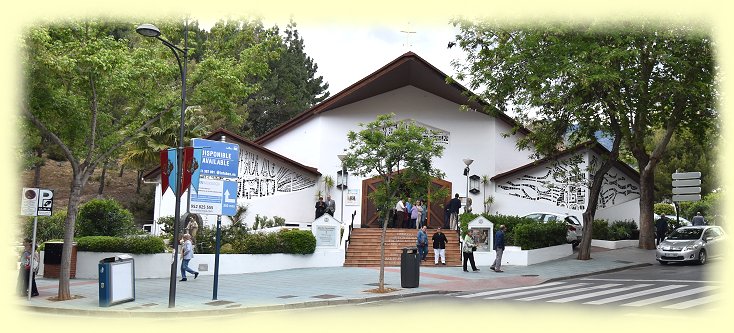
[[615, 244], [159, 265], [515, 256]]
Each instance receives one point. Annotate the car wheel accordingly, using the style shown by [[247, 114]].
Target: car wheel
[[702, 257], [663, 262]]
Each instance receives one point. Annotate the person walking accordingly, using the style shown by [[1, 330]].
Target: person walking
[[187, 253], [499, 247], [422, 243], [454, 206], [320, 207], [467, 248], [698, 219], [661, 228], [330, 205], [439, 247], [26, 270]]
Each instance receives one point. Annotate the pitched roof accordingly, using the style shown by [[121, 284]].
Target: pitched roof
[[408, 69], [592, 145], [234, 138]]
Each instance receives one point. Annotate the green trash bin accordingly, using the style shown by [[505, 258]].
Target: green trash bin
[[410, 265]]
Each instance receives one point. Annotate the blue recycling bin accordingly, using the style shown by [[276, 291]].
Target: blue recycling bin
[[116, 280]]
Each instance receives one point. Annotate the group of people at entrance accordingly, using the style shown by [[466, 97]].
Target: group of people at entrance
[[410, 215]]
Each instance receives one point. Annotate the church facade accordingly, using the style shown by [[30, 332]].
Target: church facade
[[282, 173]]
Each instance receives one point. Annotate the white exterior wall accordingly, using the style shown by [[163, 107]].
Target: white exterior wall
[[470, 133], [536, 190]]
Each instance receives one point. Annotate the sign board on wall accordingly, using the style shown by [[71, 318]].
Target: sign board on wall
[[352, 197], [327, 231]]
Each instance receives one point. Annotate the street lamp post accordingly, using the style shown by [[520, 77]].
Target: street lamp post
[[468, 162], [149, 30], [343, 184]]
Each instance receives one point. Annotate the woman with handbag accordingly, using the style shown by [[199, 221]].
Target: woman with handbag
[[468, 249]]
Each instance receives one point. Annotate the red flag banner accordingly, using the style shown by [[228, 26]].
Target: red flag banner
[[164, 170], [188, 168]]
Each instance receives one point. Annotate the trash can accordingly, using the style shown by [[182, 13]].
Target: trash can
[[116, 280], [410, 267]]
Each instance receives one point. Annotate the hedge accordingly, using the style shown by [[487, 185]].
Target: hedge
[[618, 230], [536, 235], [134, 245]]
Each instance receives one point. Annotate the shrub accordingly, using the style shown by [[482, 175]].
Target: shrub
[[464, 220], [134, 245], [538, 235], [48, 227], [260, 244], [510, 223], [104, 217], [297, 241], [600, 230], [663, 208]]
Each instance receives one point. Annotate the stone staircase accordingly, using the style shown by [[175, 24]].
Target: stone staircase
[[364, 247]]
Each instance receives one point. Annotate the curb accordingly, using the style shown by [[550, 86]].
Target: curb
[[598, 272]]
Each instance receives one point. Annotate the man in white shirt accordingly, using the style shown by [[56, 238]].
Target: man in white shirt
[[399, 214], [187, 253]]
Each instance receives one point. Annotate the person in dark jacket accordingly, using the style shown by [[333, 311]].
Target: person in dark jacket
[[439, 247], [422, 243], [454, 206], [661, 228], [499, 247], [320, 207]]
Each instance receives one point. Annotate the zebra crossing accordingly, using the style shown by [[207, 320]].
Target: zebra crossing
[[619, 292]]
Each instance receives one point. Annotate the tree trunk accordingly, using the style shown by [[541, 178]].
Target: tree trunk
[[71, 211], [139, 181], [122, 169], [385, 221], [647, 202], [102, 180], [37, 170]]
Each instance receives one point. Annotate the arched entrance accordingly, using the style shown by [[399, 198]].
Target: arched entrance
[[370, 216]]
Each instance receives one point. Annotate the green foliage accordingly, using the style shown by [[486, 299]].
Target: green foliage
[[104, 217], [538, 235], [260, 243], [664, 208], [400, 153], [618, 230], [134, 245], [265, 222], [48, 227], [297, 241], [464, 220], [510, 222]]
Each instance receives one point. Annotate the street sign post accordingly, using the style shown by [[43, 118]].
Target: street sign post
[[35, 202], [686, 186]]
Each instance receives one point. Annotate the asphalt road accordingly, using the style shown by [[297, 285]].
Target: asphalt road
[[668, 290]]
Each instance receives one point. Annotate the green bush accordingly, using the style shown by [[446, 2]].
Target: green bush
[[104, 217], [134, 245], [600, 230], [538, 235], [48, 227], [663, 208], [297, 241], [510, 222], [260, 244], [464, 220]]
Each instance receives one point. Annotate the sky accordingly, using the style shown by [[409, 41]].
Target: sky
[[346, 54]]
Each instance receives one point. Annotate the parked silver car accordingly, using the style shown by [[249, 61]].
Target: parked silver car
[[575, 229], [695, 243]]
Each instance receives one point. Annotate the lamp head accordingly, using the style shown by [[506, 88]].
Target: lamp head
[[468, 161], [341, 156], [148, 30]]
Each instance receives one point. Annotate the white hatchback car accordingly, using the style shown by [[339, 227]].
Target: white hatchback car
[[575, 229]]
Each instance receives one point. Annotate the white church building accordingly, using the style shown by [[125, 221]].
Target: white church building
[[282, 172]]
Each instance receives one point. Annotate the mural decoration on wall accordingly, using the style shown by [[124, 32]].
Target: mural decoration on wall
[[616, 187], [438, 135], [260, 177], [565, 184]]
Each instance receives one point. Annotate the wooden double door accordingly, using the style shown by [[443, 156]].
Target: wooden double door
[[371, 218]]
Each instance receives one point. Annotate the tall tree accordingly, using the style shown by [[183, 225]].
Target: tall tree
[[380, 149], [623, 80], [92, 87], [291, 88]]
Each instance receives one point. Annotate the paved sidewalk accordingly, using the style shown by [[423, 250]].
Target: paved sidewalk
[[310, 287]]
